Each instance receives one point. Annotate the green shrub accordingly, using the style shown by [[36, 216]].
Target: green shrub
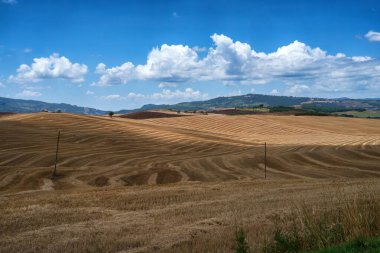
[[359, 245], [241, 242]]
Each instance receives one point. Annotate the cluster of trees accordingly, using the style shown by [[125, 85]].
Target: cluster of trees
[[329, 108]]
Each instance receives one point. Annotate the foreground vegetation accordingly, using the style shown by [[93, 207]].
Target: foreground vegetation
[[186, 217], [350, 221], [357, 246]]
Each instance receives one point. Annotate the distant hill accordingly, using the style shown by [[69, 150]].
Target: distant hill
[[252, 100], [28, 106], [248, 100]]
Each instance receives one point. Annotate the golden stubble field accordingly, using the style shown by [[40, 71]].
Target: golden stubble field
[[172, 184]]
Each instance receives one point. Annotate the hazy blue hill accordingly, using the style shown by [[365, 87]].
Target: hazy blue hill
[[28, 106], [251, 100], [248, 100]]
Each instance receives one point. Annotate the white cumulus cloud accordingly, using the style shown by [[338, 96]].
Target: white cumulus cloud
[[361, 58], [116, 75], [167, 95], [135, 95], [51, 67], [235, 62], [297, 89], [166, 84], [373, 36], [188, 93], [28, 93], [113, 97], [199, 49], [274, 92]]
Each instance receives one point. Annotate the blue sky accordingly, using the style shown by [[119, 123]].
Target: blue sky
[[123, 54]]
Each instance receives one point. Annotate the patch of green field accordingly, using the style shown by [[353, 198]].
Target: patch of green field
[[364, 114], [255, 109]]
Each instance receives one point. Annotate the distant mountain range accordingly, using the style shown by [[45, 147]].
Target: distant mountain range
[[28, 106], [253, 100], [249, 100]]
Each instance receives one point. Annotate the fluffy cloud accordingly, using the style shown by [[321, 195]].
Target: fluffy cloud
[[274, 92], [169, 63], [28, 93], [298, 89], [136, 95], [188, 93], [361, 58], [170, 95], [373, 36], [113, 97], [199, 49], [233, 62], [117, 75], [166, 64], [167, 84], [51, 67]]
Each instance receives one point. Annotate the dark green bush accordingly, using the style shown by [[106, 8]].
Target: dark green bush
[[241, 242]]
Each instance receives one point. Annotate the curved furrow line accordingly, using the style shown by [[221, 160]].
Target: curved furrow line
[[99, 151], [343, 169]]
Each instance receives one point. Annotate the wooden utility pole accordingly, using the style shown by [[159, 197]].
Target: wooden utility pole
[[56, 156], [265, 159]]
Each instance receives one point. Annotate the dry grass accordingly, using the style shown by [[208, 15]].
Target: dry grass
[[188, 217], [341, 219], [104, 152], [182, 184]]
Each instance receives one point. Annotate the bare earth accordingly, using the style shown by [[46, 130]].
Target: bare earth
[[179, 184]]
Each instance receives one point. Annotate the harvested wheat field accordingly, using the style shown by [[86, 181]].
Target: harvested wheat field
[[172, 184]]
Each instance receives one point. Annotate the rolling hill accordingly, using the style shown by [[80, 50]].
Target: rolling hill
[[99, 151], [172, 184]]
